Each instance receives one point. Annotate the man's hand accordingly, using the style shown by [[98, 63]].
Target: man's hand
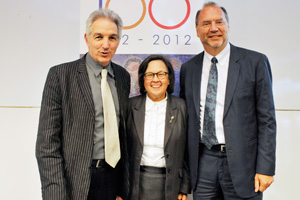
[[119, 198], [262, 182], [182, 197]]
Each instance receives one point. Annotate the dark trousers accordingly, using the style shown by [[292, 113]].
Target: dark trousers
[[103, 182], [214, 180]]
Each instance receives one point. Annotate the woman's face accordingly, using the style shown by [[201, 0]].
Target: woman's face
[[156, 88]]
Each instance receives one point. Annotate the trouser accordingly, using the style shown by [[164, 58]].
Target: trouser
[[103, 181], [214, 180]]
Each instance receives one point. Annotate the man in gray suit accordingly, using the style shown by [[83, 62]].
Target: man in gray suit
[[70, 146], [232, 126]]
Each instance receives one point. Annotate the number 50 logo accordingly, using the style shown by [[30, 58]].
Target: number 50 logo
[[152, 17]]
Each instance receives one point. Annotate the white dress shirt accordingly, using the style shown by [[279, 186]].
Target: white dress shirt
[[222, 66], [154, 133]]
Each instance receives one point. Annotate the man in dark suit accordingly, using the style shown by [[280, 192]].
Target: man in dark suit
[[231, 127], [71, 149]]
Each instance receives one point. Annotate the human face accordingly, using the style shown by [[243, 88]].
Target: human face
[[212, 29], [103, 40], [156, 88]]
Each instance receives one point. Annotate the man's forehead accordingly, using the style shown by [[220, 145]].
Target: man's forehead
[[104, 30], [211, 13]]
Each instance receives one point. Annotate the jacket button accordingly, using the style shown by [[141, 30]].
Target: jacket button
[[167, 156]]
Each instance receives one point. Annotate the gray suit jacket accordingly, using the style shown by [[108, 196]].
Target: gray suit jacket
[[177, 177], [249, 117], [65, 135]]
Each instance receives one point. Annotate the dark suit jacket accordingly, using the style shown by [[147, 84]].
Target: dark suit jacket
[[249, 117], [65, 135], [177, 178]]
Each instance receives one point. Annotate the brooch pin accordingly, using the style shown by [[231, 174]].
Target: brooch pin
[[171, 119]]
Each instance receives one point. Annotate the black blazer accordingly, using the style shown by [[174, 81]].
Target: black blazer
[[65, 135], [177, 178], [249, 117]]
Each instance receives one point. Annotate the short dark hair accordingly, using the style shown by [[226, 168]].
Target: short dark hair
[[211, 3], [144, 65]]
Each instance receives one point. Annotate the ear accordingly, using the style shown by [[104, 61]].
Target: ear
[[86, 39], [198, 33]]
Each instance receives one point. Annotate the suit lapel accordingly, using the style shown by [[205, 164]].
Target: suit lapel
[[171, 113], [233, 74], [84, 85], [119, 83], [139, 117], [197, 74]]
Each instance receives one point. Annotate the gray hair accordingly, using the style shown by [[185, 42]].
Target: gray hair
[[211, 3], [105, 13]]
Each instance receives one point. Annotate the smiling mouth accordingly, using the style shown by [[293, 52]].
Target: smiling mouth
[[214, 36], [155, 86]]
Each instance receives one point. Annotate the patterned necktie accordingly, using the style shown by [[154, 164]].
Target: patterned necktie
[[111, 133], [209, 126]]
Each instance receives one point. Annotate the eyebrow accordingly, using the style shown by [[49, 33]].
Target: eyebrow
[[220, 19], [206, 21], [96, 34], [114, 35]]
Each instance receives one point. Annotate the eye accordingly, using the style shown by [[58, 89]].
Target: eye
[[149, 75], [219, 22], [206, 23], [97, 37], [114, 37], [162, 75]]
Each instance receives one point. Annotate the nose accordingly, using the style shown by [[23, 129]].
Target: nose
[[155, 77], [213, 27], [105, 43]]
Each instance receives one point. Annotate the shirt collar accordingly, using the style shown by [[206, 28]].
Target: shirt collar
[[151, 103], [221, 56], [96, 67]]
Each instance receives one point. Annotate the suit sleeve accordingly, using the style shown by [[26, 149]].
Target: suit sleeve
[[48, 144], [123, 167], [266, 119], [185, 187], [182, 82]]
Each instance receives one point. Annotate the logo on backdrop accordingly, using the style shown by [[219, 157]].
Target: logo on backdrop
[[153, 18]]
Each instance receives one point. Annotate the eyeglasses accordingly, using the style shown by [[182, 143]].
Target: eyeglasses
[[160, 75]]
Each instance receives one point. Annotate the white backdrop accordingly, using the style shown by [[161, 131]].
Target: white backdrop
[[37, 34]]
